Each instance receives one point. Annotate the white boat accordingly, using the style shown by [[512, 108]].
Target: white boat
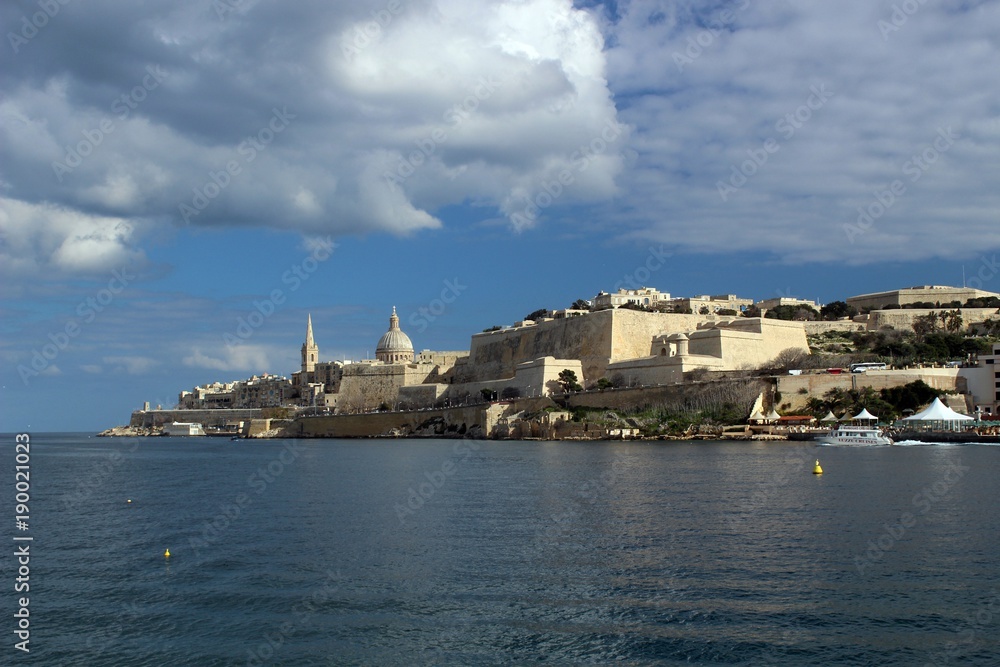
[[854, 436], [183, 428]]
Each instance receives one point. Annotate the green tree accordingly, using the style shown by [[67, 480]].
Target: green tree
[[925, 324], [836, 310], [534, 315], [604, 383], [488, 394], [569, 381], [580, 304], [787, 312], [952, 320]]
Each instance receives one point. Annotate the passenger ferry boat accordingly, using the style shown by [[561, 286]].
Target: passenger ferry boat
[[855, 436]]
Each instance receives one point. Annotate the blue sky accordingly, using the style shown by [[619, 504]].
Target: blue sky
[[511, 156]]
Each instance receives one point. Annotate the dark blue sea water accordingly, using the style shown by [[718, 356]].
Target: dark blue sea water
[[445, 552]]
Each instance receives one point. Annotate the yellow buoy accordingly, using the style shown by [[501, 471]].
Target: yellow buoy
[[166, 554], [129, 501], [817, 470]]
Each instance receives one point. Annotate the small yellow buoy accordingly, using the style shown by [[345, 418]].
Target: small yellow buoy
[[166, 554], [129, 501], [817, 470]]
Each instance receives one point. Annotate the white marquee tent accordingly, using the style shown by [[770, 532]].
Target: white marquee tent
[[938, 415], [864, 415]]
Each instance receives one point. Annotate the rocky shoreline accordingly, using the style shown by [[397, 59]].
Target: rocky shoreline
[[131, 432]]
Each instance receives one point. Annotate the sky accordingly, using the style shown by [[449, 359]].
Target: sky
[[181, 184]]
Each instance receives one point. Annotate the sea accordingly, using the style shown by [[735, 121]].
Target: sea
[[471, 552]]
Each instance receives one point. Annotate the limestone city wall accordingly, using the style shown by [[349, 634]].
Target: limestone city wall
[[211, 417], [817, 384]]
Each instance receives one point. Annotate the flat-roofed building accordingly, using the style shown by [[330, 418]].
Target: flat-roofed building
[[936, 295], [644, 296], [709, 305]]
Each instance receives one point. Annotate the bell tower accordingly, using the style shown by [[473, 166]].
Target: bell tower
[[310, 352]]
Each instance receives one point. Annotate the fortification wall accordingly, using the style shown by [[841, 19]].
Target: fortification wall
[[639, 398], [903, 318], [596, 339], [458, 421], [837, 325], [368, 387], [219, 417], [816, 385]]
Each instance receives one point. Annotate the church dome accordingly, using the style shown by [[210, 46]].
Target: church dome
[[394, 346]]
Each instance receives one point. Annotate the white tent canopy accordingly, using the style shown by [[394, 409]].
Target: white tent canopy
[[830, 417], [864, 415], [773, 415], [938, 412]]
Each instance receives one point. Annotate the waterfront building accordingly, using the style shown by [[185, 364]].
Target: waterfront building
[[265, 391], [983, 382]]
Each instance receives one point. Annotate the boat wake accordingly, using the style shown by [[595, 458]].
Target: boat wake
[[915, 443]]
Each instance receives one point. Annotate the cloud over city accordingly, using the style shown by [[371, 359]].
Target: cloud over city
[[313, 117]]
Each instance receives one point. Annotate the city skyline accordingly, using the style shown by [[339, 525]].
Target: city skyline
[[169, 171]]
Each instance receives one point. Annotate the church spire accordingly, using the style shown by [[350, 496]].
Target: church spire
[[393, 320], [310, 351]]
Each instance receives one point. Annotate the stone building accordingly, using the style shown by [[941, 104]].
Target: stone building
[[394, 347], [644, 296], [936, 295], [706, 304], [742, 343], [768, 304], [983, 382]]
